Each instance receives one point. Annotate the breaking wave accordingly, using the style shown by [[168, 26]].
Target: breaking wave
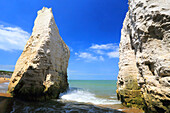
[[84, 96]]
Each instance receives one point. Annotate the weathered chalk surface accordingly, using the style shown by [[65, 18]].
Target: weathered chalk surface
[[41, 70], [144, 76]]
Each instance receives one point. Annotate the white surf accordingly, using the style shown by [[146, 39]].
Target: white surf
[[84, 96]]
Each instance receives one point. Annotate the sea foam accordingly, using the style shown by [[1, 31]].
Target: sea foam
[[80, 95]]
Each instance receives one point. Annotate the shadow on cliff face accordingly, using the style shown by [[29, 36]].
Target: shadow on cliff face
[[6, 104], [13, 105], [33, 89]]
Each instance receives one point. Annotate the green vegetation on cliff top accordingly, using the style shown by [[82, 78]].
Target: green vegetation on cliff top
[[6, 72]]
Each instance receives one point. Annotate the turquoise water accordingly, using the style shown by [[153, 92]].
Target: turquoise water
[[82, 97], [86, 91], [92, 91], [99, 87]]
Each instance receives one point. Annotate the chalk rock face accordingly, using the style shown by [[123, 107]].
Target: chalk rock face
[[128, 90], [41, 70], [145, 55]]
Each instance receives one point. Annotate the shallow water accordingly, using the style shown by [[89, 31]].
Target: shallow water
[[52, 106], [82, 97], [92, 91]]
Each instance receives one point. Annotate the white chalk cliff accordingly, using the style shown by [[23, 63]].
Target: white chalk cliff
[[144, 67], [41, 70]]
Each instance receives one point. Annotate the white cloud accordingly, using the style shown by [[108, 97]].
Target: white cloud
[[101, 58], [70, 48], [86, 56], [13, 38], [99, 52], [104, 46], [111, 50], [89, 57], [113, 54], [76, 53]]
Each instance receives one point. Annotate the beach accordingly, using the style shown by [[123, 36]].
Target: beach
[[2, 80]]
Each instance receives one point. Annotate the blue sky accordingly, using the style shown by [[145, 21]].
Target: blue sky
[[91, 29]]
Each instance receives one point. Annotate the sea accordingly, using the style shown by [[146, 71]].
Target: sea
[[92, 91], [83, 96]]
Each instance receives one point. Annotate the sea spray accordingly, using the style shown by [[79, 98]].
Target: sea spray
[[85, 96]]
